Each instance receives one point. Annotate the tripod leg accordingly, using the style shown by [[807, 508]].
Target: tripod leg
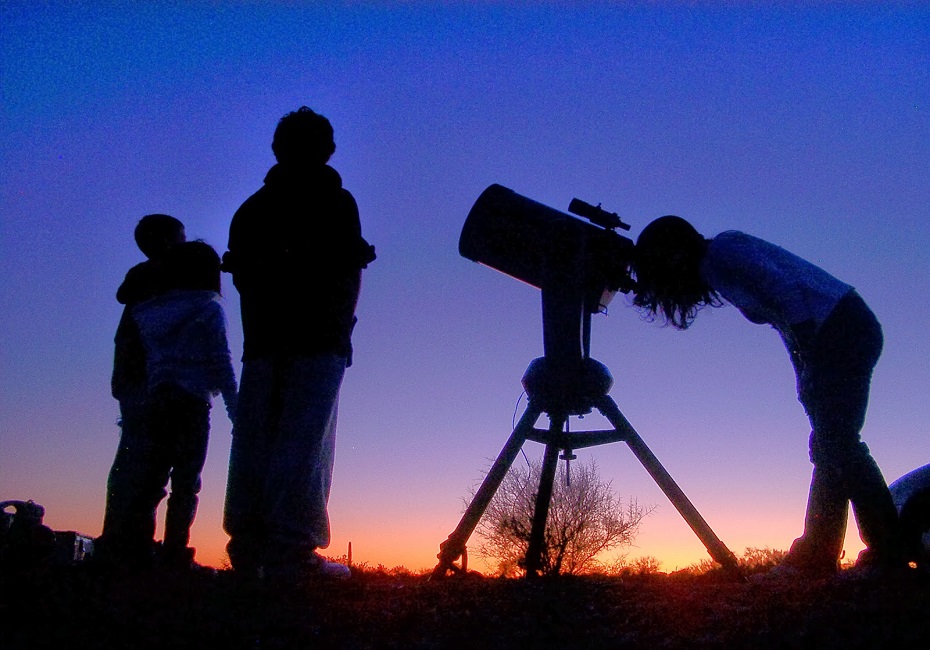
[[716, 548], [536, 548], [454, 546]]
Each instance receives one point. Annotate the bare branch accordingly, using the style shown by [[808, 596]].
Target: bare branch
[[585, 520]]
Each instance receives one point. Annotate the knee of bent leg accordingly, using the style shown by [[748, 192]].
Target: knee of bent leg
[[830, 448]]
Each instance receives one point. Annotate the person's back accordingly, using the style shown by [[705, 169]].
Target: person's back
[[294, 244], [183, 330], [296, 254]]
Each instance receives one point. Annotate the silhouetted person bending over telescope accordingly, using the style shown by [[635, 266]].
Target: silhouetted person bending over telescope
[[296, 254], [834, 341]]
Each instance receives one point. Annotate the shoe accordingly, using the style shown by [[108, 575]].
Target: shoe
[[873, 566], [246, 576], [317, 565], [175, 558], [333, 569], [120, 557], [314, 566], [181, 560], [778, 573], [791, 571]]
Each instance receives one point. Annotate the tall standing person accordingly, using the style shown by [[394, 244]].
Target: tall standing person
[[296, 253]]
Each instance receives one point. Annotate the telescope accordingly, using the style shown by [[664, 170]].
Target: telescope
[[548, 249], [578, 264]]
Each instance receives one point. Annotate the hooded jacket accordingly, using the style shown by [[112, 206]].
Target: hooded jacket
[[296, 253], [184, 336]]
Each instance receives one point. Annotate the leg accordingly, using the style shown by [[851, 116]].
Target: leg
[[129, 526], [298, 481], [842, 474], [834, 388], [454, 546], [154, 476], [819, 548], [188, 423], [249, 459], [120, 480], [715, 547], [536, 552], [875, 513]]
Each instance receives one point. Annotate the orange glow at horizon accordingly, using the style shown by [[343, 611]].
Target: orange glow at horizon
[[673, 545], [410, 536]]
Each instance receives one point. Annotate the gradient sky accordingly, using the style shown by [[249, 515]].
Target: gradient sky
[[804, 124]]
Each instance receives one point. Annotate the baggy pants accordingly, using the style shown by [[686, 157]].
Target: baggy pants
[[281, 460]]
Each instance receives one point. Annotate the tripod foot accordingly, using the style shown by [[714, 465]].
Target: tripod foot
[[442, 571], [447, 557]]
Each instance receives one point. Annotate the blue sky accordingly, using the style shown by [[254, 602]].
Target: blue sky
[[805, 124]]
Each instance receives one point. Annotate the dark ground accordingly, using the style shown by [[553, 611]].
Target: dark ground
[[79, 608]]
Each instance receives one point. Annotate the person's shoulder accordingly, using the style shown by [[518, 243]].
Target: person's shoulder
[[261, 194], [735, 236], [736, 240], [141, 267], [329, 175], [138, 272], [249, 217], [137, 283], [734, 251]]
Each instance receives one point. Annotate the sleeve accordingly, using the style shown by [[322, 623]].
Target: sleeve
[[245, 249], [219, 360], [232, 256], [359, 253], [227, 376]]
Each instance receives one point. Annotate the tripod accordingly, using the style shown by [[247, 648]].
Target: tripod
[[562, 385]]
